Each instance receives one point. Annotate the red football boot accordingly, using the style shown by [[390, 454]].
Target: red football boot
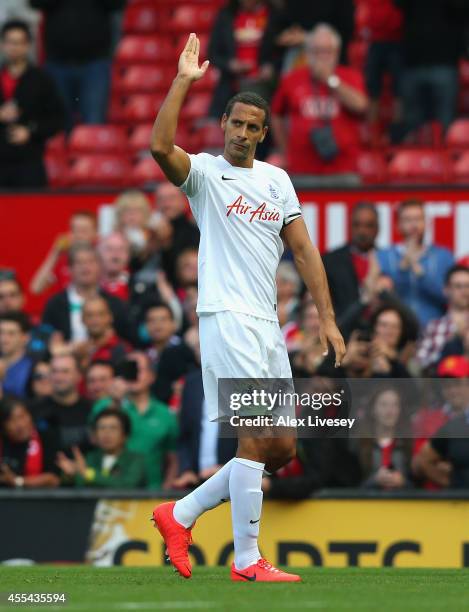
[[262, 571], [176, 537]]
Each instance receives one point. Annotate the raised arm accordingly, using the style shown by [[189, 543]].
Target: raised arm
[[173, 160], [310, 266]]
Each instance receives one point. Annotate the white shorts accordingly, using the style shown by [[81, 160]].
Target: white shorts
[[238, 345]]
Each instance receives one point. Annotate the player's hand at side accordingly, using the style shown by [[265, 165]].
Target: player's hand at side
[[188, 66], [329, 332]]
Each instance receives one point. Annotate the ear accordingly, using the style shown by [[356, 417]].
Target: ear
[[223, 121], [265, 129]]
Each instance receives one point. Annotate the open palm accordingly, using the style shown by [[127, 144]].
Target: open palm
[[188, 66]]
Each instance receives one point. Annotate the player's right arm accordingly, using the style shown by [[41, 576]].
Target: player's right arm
[[173, 160]]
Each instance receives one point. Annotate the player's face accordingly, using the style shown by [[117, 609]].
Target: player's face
[[244, 129]]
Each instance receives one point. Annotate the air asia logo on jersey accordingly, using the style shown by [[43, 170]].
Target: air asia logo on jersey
[[261, 213]]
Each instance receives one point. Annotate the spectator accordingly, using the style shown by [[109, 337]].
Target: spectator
[[384, 30], [322, 102], [40, 380], [417, 269], [26, 456], [444, 459], [388, 339], [440, 331], [186, 270], [287, 29], [351, 267], [173, 205], [161, 328], [383, 451], [432, 45], [63, 311], [80, 64], [54, 270], [234, 49], [15, 365], [12, 299], [30, 111], [99, 380], [110, 465], [288, 289], [201, 450], [154, 427], [114, 252], [103, 343], [459, 344], [132, 218], [304, 348], [64, 412]]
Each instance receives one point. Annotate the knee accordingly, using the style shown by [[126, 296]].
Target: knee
[[281, 453]]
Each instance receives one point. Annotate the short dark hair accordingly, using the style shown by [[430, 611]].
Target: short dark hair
[[114, 411], [20, 318], [16, 24], [251, 99], [102, 362], [7, 405], [164, 305], [412, 203], [454, 270], [79, 247], [363, 205], [12, 279], [85, 213]]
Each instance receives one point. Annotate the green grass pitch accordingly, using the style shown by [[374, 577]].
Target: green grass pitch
[[355, 589]]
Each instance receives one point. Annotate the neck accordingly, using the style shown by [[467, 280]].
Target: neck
[[66, 399], [159, 346], [17, 68], [86, 291], [103, 338], [384, 431], [115, 452], [113, 275], [141, 400], [13, 357], [239, 163]]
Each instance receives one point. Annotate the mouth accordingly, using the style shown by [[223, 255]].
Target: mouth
[[241, 147]]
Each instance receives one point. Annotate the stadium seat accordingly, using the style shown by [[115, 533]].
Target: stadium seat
[[457, 136], [57, 145], [196, 107], [211, 136], [276, 159], [192, 18], [98, 139], [208, 82], [134, 49], [140, 138], [146, 172], [100, 171], [418, 166], [141, 108], [460, 170], [372, 167], [57, 170], [144, 18], [142, 79], [464, 73]]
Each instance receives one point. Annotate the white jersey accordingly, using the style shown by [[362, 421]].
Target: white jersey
[[240, 213]]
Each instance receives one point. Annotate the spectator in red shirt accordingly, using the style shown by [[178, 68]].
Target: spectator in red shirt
[[114, 252], [384, 29], [322, 102], [30, 111], [54, 270], [103, 343], [234, 49]]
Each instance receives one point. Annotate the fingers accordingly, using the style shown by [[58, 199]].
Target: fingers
[[204, 66], [339, 349], [323, 341], [189, 48], [197, 47]]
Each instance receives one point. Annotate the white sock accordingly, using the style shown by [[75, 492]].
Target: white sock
[[246, 507], [208, 495]]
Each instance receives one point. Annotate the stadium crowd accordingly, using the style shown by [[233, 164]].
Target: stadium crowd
[[353, 84], [104, 388]]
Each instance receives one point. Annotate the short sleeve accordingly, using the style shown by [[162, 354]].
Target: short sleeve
[[292, 206], [196, 177]]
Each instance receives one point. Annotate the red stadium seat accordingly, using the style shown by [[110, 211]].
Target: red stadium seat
[[418, 166], [140, 138], [144, 18], [98, 139], [464, 73], [458, 134], [192, 18], [372, 167], [196, 106], [142, 108], [146, 172], [100, 171], [460, 170], [211, 136], [276, 159], [57, 145], [144, 50], [208, 82], [57, 170], [143, 79]]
